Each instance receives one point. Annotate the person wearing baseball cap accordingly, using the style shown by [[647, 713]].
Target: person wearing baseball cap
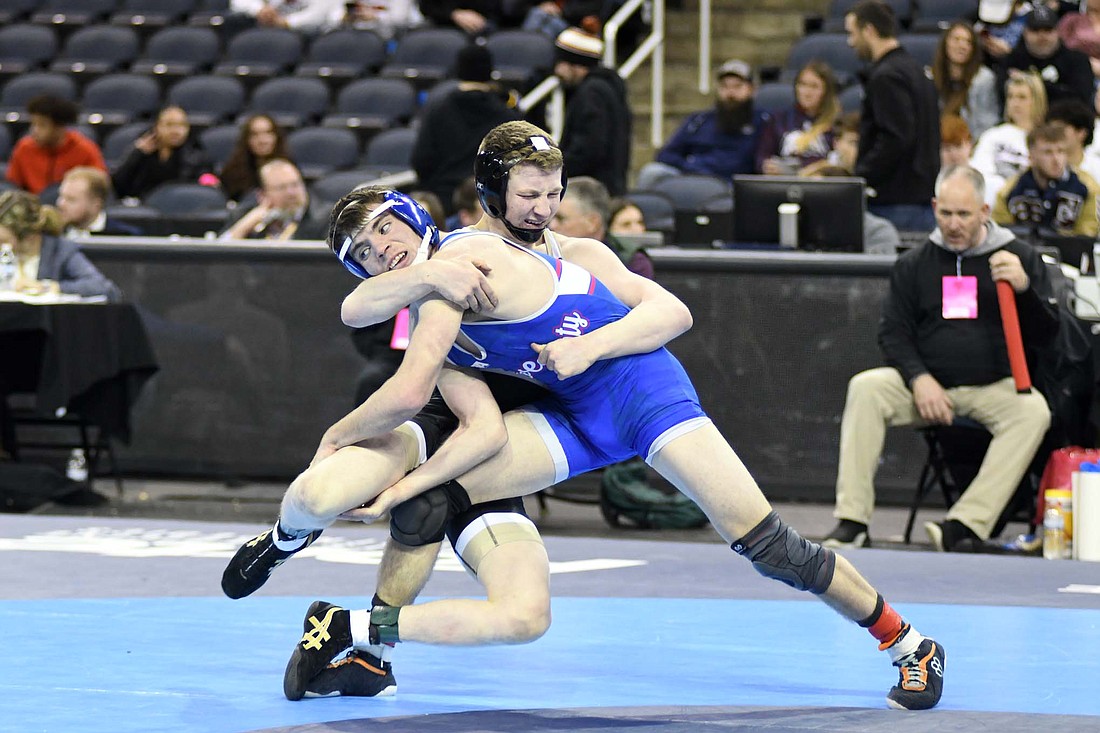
[[722, 141], [595, 139], [1065, 72]]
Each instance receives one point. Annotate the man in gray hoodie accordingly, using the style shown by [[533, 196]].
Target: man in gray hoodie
[[944, 345]]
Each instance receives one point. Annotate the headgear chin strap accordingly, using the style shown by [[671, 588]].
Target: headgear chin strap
[[491, 181], [404, 208]]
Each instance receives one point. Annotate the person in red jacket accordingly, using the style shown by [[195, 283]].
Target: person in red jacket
[[50, 149]]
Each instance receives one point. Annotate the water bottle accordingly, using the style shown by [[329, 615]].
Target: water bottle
[[9, 266], [1055, 536], [77, 470]]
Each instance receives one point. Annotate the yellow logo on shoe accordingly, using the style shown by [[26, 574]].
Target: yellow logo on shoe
[[319, 633], [258, 538]]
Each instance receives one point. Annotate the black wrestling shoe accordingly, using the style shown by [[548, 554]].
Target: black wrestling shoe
[[359, 674], [920, 682], [327, 636], [846, 535], [254, 562]]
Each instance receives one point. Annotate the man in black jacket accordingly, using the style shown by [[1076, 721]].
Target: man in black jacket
[[453, 126], [944, 345], [1066, 73], [596, 137], [899, 134]]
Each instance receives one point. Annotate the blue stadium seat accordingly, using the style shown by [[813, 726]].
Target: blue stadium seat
[[12, 11], [291, 101], [832, 48], [934, 16], [657, 210], [851, 99], [218, 142], [342, 55], [374, 104], [73, 13], [521, 58], [176, 52], [258, 54], [208, 100], [693, 192], [149, 16], [425, 55], [117, 99], [774, 96], [921, 46], [25, 47], [834, 18], [319, 151], [96, 50], [175, 199], [391, 149], [117, 143], [21, 89], [328, 189]]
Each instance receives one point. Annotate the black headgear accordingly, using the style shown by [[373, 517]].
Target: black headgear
[[491, 179]]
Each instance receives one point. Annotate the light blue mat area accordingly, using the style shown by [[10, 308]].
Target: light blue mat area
[[214, 665]]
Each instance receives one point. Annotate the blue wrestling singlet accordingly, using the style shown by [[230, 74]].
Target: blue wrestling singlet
[[618, 408]]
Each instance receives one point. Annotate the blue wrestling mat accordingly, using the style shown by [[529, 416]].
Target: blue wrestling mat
[[171, 656]]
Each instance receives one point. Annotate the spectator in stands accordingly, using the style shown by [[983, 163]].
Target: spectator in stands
[[452, 126], [845, 147], [167, 153], [1049, 197], [880, 237], [626, 217], [551, 17], [1080, 122], [1066, 72], [283, 210], [719, 142], [948, 359], [49, 149], [1002, 25], [475, 17], [803, 134], [47, 263], [1092, 151], [956, 143], [466, 206], [307, 16], [1081, 32], [260, 141], [596, 138], [966, 87], [899, 137], [81, 200], [430, 202], [388, 19], [1001, 152], [586, 212]]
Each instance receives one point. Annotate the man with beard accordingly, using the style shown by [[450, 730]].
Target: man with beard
[[899, 135], [720, 142], [595, 139]]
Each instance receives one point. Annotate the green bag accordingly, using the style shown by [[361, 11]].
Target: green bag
[[627, 500]]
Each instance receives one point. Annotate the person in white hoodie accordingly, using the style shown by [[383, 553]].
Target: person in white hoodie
[[1001, 153]]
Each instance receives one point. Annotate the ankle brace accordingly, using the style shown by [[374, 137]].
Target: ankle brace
[[383, 625]]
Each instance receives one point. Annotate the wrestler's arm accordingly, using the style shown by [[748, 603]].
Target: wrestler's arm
[[656, 316], [479, 436], [462, 281], [408, 390]]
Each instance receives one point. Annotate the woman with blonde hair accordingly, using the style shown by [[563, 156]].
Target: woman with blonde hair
[[966, 88], [803, 134], [47, 263], [1001, 152]]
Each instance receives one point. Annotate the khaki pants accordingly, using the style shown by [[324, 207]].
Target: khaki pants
[[879, 398]]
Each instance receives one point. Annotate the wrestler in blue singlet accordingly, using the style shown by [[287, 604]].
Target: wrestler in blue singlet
[[618, 408]]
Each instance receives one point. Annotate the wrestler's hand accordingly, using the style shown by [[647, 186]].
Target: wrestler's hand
[[462, 280], [932, 401], [566, 357], [373, 510]]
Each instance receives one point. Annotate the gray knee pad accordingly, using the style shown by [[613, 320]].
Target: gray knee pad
[[777, 551], [422, 520]]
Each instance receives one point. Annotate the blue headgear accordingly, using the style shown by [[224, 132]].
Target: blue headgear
[[404, 208]]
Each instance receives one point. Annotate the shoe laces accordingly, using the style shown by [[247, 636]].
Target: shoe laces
[[913, 676]]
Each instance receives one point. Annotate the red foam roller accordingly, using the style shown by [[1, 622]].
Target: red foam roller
[[1010, 320]]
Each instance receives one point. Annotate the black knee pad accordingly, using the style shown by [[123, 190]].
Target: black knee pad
[[777, 551], [422, 520]]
